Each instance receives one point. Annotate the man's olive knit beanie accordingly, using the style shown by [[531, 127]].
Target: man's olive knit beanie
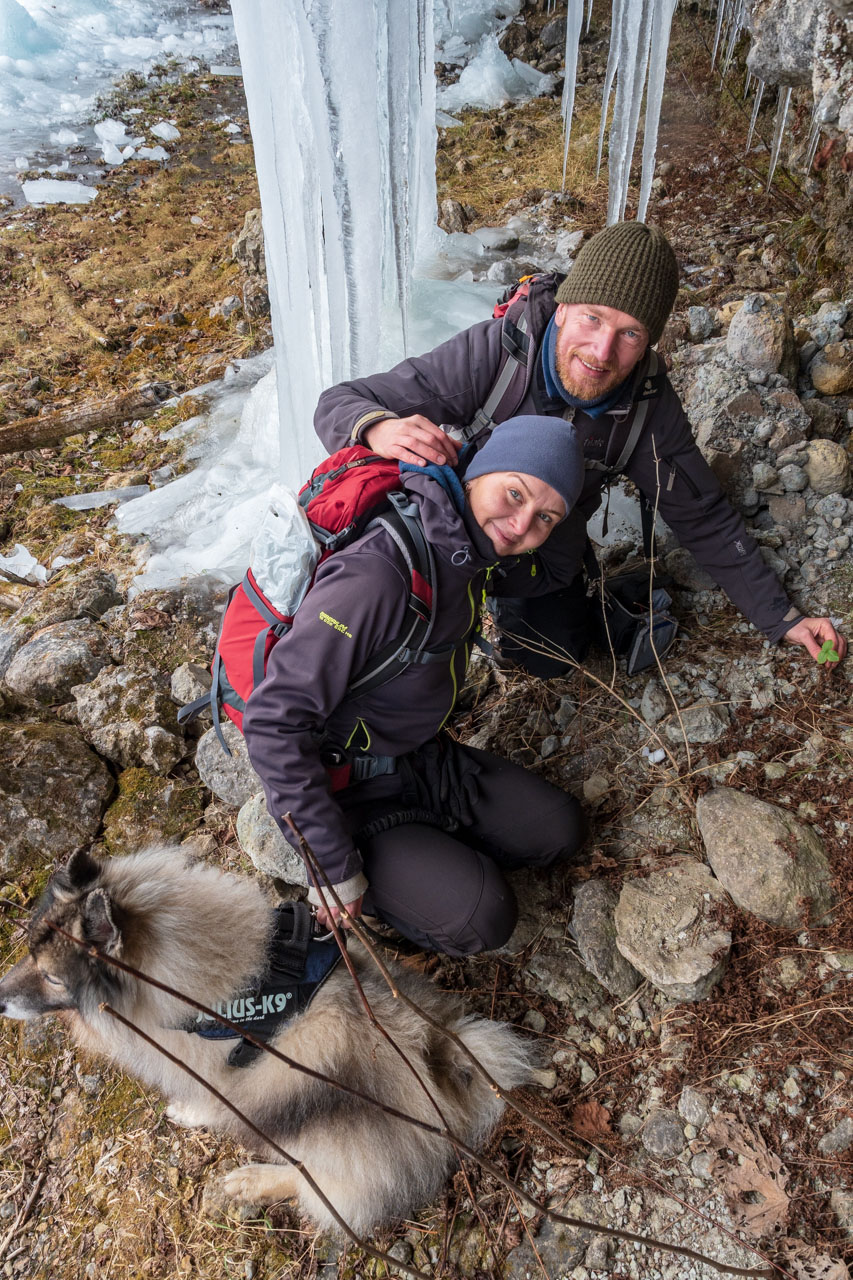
[[629, 266]]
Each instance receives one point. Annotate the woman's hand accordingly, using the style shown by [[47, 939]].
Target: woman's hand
[[325, 914]]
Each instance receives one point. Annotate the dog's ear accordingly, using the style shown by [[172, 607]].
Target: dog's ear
[[99, 928], [81, 869]]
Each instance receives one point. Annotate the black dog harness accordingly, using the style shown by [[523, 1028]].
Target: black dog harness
[[298, 966]]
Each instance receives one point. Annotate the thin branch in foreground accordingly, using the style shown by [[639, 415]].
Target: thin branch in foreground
[[323, 882]]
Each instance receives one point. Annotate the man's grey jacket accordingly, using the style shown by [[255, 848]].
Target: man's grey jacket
[[451, 383]]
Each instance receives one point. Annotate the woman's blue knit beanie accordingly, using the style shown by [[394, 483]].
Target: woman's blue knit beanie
[[546, 448]]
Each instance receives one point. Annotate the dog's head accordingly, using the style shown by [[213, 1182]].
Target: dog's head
[[60, 974]]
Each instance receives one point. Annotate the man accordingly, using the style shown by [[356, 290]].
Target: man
[[582, 350]]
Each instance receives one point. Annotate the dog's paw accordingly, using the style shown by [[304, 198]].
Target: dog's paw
[[259, 1183], [185, 1115]]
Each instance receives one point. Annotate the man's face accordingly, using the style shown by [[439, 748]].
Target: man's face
[[597, 347]]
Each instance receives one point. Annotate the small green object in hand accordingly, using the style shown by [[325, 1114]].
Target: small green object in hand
[[827, 652]]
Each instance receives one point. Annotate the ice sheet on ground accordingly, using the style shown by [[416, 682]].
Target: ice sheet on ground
[[55, 191], [284, 554], [446, 121], [101, 497], [24, 565], [153, 153], [56, 56], [222, 69], [490, 80]]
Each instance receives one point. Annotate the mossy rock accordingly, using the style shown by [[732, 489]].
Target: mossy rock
[[151, 810]]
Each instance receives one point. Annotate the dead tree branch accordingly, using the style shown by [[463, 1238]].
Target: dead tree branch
[[49, 428]]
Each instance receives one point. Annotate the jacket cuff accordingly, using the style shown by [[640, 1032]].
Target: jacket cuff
[[347, 891], [367, 420], [791, 618]]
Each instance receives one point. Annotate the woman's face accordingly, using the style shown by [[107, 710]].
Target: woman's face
[[515, 511]]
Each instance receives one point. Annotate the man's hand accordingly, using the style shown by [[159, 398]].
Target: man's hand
[[414, 439], [326, 914], [811, 634]]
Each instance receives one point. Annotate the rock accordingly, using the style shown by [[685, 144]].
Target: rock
[[557, 1250], [682, 566], [553, 34], [53, 791], [256, 299], [770, 864], [783, 40], [654, 703], [703, 722], [693, 1106], [189, 681], [787, 509], [824, 418], [831, 370], [701, 322], [452, 216], [561, 976], [828, 467], [499, 239], [596, 787], [593, 930], [663, 1134], [56, 659], [838, 1139], [151, 810], [673, 926], [248, 248], [230, 778], [86, 595], [262, 841], [764, 476], [129, 717], [785, 436], [745, 405], [793, 478], [760, 336]]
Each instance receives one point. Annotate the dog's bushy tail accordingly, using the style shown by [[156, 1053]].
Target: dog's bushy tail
[[509, 1060]]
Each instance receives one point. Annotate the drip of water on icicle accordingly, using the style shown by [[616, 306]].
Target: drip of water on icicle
[[639, 44]]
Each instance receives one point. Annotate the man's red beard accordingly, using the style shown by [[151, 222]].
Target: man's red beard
[[581, 387]]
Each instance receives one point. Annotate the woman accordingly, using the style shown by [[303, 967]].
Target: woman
[[422, 845]]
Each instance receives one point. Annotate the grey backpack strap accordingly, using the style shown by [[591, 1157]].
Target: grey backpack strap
[[516, 358]]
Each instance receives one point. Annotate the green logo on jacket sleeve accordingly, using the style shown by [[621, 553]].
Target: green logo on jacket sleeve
[[335, 625]]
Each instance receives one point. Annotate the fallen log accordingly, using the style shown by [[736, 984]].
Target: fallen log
[[50, 428]]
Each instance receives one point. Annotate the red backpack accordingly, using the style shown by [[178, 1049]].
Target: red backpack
[[349, 492]]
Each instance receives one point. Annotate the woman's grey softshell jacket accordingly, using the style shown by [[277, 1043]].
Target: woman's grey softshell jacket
[[355, 608]]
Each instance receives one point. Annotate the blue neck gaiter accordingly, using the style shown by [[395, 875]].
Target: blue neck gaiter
[[446, 477], [555, 388]]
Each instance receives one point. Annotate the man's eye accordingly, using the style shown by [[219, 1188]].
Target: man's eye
[[545, 517], [633, 336]]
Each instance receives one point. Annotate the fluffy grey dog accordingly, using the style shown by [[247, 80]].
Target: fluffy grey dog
[[211, 936]]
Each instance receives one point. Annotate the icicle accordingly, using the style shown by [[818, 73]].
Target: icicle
[[735, 28], [346, 173], [634, 35], [616, 9], [759, 94], [722, 11], [747, 84], [812, 143], [588, 14], [779, 129], [574, 22], [661, 25]]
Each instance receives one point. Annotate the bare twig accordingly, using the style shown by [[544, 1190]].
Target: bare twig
[[23, 1213]]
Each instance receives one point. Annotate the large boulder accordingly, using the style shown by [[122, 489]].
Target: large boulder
[[831, 370], [150, 809], [129, 717], [673, 926], [828, 467], [770, 864], [53, 791], [57, 658], [230, 778], [248, 248], [783, 40], [262, 841], [86, 595], [761, 336]]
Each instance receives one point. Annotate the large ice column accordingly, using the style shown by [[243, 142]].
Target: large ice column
[[341, 102]]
